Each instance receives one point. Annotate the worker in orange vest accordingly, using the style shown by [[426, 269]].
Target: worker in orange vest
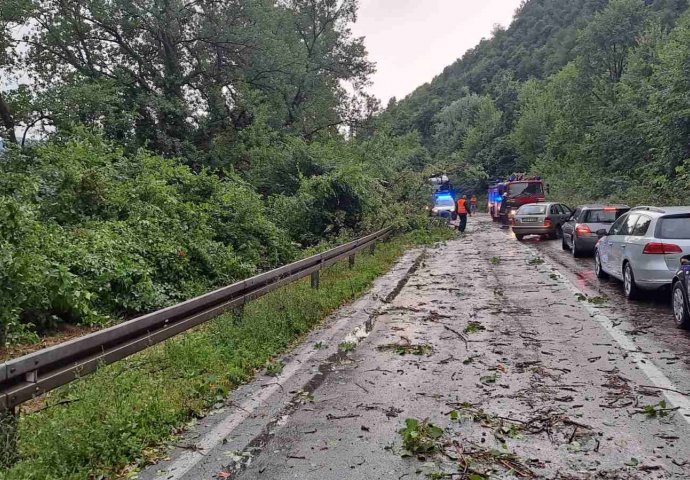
[[473, 204], [461, 208]]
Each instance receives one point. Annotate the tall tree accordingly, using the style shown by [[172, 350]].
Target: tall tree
[[606, 42], [317, 55], [162, 55], [12, 14]]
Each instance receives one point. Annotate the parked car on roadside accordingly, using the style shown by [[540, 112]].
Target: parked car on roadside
[[543, 219], [681, 294], [580, 230], [643, 248]]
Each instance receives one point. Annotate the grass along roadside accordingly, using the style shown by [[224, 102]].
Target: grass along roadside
[[110, 423]]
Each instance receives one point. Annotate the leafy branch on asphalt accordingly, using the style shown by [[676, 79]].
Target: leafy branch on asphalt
[[407, 348], [536, 261], [421, 437], [659, 410], [346, 347], [597, 300], [474, 327], [558, 427], [274, 368]]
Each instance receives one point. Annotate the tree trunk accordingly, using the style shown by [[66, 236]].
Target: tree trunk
[[7, 120]]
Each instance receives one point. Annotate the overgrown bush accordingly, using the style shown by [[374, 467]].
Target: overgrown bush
[[91, 235], [362, 185]]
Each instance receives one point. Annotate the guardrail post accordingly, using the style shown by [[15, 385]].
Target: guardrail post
[[238, 314], [8, 438], [315, 279], [372, 248], [351, 261]]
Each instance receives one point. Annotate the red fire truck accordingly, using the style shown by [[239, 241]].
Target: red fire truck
[[516, 191]]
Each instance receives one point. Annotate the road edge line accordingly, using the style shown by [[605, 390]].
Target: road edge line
[[639, 359]]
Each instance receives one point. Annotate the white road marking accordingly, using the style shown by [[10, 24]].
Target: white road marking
[[190, 458], [646, 366]]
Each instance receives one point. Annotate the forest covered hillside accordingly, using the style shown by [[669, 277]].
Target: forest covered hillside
[[592, 94]]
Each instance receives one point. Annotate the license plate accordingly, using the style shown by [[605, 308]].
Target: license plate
[[529, 220]]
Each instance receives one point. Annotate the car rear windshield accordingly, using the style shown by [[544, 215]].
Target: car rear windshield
[[674, 227], [532, 210], [603, 215]]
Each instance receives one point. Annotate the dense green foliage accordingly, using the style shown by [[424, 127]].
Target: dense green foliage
[[89, 232], [162, 148], [591, 94]]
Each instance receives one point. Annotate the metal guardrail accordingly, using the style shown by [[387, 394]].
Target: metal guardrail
[[31, 375]]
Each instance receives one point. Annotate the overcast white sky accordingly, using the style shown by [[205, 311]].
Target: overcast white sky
[[411, 41]]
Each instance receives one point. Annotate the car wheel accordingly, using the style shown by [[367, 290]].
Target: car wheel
[[564, 244], [680, 310], [519, 237], [598, 269], [629, 286], [576, 251]]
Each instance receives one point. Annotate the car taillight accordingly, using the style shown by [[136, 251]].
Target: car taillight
[[547, 222], [582, 230], [658, 248]]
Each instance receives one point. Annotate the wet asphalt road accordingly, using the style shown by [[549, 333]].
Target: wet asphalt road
[[489, 339], [651, 317]]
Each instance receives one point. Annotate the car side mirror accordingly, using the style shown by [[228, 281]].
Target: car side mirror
[[602, 233]]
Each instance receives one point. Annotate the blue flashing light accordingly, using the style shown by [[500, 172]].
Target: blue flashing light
[[444, 196]]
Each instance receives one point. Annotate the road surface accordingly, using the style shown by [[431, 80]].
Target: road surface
[[528, 365]]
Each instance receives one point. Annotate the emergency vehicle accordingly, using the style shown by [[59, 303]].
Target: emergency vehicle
[[443, 198], [517, 190]]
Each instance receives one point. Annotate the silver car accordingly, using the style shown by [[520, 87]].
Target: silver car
[[643, 248], [580, 231], [540, 219]]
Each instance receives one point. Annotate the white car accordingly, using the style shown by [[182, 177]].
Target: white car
[[643, 248], [444, 206]]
